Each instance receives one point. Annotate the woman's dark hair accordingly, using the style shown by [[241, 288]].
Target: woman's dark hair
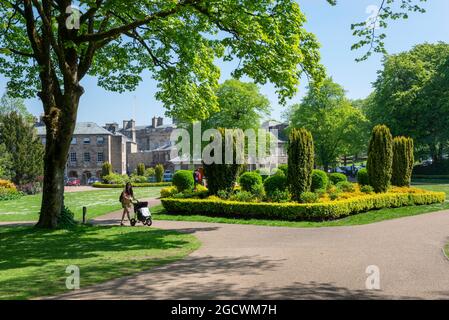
[[129, 189]]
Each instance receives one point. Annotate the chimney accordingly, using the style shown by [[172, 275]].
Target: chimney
[[125, 124], [154, 122], [160, 121], [112, 127]]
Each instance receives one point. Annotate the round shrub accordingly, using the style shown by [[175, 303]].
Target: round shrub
[[337, 177], [319, 180], [367, 189], [250, 180], [362, 177], [183, 180], [279, 196], [275, 183], [308, 197], [346, 186]]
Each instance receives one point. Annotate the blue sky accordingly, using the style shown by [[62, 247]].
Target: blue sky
[[332, 27]]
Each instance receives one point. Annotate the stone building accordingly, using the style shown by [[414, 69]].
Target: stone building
[[93, 145]]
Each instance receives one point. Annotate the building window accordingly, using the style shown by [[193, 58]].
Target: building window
[[100, 141], [86, 140], [100, 157], [44, 140], [74, 141], [73, 157], [86, 157]]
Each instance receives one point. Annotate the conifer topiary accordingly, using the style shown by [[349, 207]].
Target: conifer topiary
[[403, 160], [380, 158]]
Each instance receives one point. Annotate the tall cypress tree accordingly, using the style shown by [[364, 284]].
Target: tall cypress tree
[[22, 142], [380, 158], [300, 162], [403, 160]]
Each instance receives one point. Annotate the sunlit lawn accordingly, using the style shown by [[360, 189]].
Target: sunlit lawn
[[98, 202], [33, 262]]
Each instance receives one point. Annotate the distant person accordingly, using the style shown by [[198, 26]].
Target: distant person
[[197, 178], [126, 198]]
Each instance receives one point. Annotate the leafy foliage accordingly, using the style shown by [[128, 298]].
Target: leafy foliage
[[6, 163], [27, 153], [410, 84], [300, 162], [403, 160], [380, 158], [274, 184], [336, 178], [106, 169], [362, 177], [337, 127], [183, 180]]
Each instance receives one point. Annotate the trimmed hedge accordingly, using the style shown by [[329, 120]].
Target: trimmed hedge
[[363, 177], [299, 212], [135, 185]]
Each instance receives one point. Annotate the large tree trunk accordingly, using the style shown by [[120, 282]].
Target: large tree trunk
[[60, 124]]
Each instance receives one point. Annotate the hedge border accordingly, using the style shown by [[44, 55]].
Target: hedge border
[[299, 212], [135, 185]]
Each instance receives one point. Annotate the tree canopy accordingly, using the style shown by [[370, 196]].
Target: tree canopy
[[412, 96], [337, 127]]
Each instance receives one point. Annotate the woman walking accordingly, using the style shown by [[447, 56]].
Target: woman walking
[[126, 198]]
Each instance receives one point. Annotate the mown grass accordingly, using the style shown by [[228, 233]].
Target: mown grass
[[98, 202], [33, 262]]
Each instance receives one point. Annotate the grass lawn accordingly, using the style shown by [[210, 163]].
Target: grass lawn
[[33, 262], [359, 219], [98, 202]]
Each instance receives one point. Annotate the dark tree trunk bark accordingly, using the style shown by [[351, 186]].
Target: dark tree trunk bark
[[60, 124]]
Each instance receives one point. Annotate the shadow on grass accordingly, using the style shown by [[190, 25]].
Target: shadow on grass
[[33, 262]]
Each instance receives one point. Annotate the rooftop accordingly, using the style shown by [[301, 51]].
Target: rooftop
[[86, 128]]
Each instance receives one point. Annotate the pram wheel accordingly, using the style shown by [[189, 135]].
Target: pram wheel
[[148, 222], [133, 222]]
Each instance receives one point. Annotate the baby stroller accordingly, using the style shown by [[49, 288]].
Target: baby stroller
[[141, 213]]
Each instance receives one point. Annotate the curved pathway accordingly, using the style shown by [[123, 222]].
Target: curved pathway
[[256, 262]]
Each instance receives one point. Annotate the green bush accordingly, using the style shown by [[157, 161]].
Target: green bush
[[222, 176], [362, 177], [380, 158], [169, 192], [243, 196], [320, 180], [150, 172], [138, 179], [299, 211], [337, 177], [115, 178], [159, 172], [276, 183], [403, 160], [279, 196], [9, 194], [300, 162], [345, 186], [66, 220], [106, 169], [141, 169], [283, 168], [309, 197], [250, 180], [183, 180], [367, 189]]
